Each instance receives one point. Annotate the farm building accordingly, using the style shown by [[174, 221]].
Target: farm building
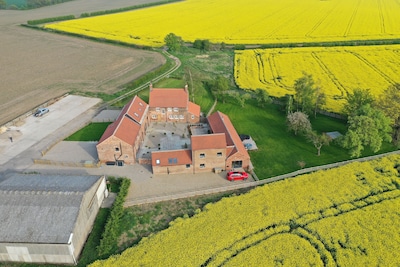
[[47, 218], [221, 149], [172, 105], [120, 141], [215, 147]]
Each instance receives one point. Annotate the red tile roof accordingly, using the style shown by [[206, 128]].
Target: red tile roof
[[194, 109], [220, 123], [208, 141], [137, 109], [171, 157], [168, 97], [127, 125]]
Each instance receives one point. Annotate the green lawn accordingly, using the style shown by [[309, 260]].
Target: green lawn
[[279, 151], [91, 132]]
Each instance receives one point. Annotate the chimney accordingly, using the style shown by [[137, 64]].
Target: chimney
[[186, 88], [151, 86]]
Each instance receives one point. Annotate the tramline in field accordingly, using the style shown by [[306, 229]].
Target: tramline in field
[[346, 216], [337, 70], [246, 22]]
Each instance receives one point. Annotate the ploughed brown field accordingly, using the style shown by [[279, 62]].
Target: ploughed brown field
[[37, 66]]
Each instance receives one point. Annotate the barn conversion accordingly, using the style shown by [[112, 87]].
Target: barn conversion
[[47, 218], [215, 147]]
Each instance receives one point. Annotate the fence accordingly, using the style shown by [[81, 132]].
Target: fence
[[141, 201], [85, 164]]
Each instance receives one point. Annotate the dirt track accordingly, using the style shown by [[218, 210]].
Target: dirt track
[[36, 66]]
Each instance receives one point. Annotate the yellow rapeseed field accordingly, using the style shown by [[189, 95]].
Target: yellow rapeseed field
[[246, 22], [346, 216], [337, 70]]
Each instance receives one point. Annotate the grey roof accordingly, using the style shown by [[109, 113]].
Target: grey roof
[[39, 208], [333, 135]]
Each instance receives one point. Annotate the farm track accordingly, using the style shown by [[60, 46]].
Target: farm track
[[298, 226]]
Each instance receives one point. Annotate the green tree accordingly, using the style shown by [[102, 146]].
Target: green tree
[[262, 97], [173, 42], [369, 127], [202, 45], [355, 100], [320, 100], [289, 104], [318, 140], [389, 103], [308, 96], [241, 98], [298, 122], [219, 87]]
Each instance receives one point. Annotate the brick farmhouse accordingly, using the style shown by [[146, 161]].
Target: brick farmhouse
[[219, 149]]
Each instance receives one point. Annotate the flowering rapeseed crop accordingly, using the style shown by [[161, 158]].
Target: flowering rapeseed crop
[[246, 22], [346, 216], [338, 70]]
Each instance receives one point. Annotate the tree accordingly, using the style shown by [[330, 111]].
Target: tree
[[389, 103], [318, 140], [369, 127], [289, 104], [173, 42], [357, 99], [219, 86], [320, 100], [308, 97], [262, 97], [202, 45], [298, 122], [241, 98]]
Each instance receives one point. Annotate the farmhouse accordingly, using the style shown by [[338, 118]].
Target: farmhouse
[[47, 219], [214, 147]]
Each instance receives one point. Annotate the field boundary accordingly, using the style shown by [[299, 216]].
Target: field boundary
[[147, 200]]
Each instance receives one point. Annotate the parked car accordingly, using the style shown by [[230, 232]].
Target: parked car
[[244, 137], [234, 175], [41, 111]]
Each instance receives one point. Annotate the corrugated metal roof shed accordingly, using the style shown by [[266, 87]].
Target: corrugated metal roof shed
[[41, 208]]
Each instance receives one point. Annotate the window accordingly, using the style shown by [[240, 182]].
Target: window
[[237, 164], [187, 166], [192, 117], [202, 166], [171, 117], [157, 161], [176, 109], [175, 117], [154, 116], [158, 109], [163, 110], [116, 149], [219, 154], [181, 117], [202, 155], [172, 161], [169, 109]]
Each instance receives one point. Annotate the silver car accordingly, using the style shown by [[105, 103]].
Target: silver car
[[41, 111]]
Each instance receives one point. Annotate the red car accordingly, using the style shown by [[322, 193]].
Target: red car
[[232, 176]]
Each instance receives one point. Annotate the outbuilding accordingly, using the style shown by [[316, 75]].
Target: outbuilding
[[47, 218]]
